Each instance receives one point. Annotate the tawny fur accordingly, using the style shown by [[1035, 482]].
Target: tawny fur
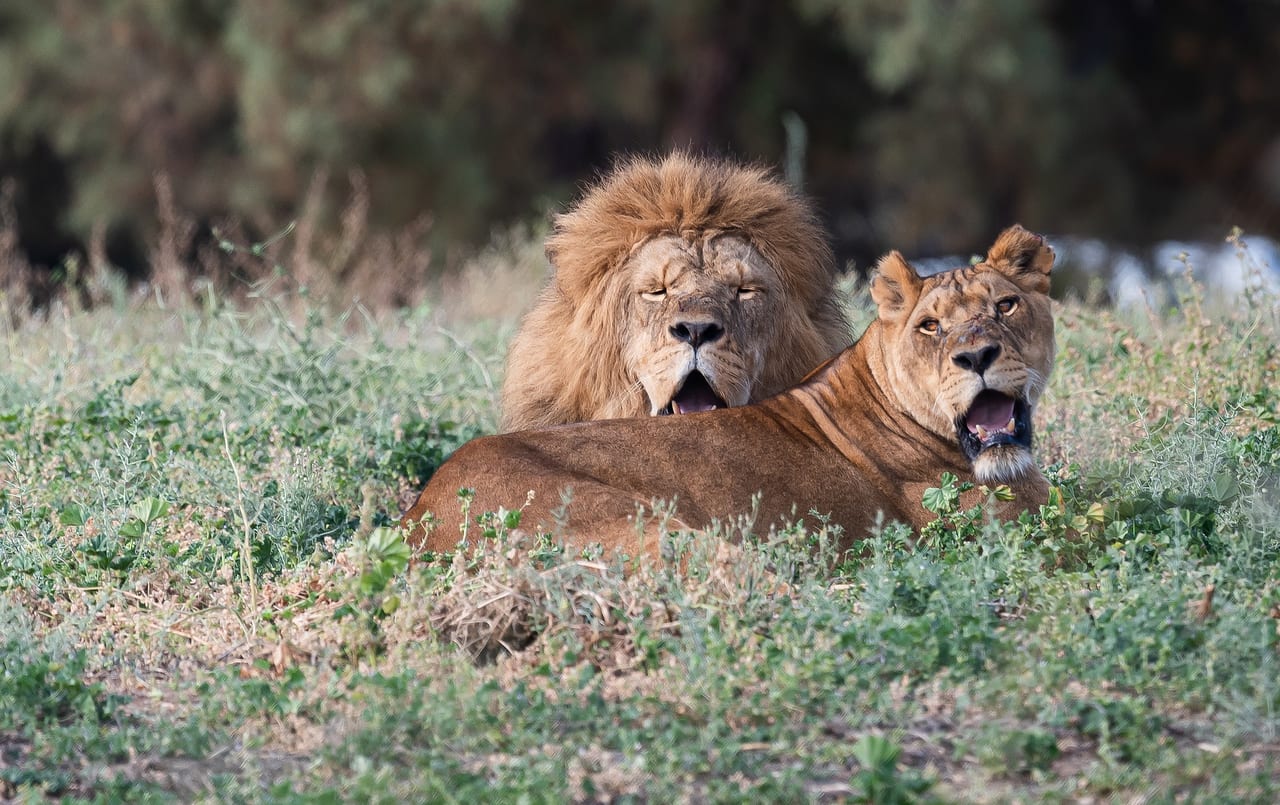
[[566, 364], [858, 441]]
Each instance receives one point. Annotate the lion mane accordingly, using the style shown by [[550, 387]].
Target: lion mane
[[575, 356]]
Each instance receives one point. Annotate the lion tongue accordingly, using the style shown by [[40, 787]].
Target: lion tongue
[[991, 411], [695, 395]]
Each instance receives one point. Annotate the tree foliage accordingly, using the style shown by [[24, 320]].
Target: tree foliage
[[928, 124]]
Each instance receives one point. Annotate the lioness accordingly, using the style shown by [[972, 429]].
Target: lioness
[[945, 379], [681, 284]]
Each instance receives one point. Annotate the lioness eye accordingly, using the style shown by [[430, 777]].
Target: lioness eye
[[656, 295], [1006, 306], [928, 326]]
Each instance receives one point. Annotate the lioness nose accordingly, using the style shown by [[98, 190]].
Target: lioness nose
[[977, 361], [695, 333]]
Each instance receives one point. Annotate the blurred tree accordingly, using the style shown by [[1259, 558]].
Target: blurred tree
[[975, 123], [121, 90], [930, 123], [1199, 114]]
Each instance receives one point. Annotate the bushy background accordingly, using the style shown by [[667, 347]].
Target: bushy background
[[924, 125]]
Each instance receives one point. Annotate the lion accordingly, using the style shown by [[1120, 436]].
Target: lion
[[680, 285], [945, 379]]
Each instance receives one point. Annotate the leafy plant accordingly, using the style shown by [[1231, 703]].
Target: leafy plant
[[40, 689], [1018, 752], [385, 556], [880, 781], [200, 578]]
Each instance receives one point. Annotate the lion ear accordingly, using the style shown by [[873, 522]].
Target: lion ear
[[895, 287], [1023, 257]]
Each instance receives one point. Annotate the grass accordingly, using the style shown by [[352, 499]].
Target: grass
[[199, 597]]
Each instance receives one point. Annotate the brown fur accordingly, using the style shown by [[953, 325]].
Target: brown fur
[[595, 346], [863, 437]]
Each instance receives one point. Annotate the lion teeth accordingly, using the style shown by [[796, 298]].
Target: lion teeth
[[983, 433]]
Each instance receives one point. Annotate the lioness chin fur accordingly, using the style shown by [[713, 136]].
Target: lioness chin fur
[[946, 379]]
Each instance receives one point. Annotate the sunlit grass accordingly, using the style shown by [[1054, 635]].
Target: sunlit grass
[[199, 599]]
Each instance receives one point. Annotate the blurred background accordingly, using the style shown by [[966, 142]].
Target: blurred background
[[399, 138]]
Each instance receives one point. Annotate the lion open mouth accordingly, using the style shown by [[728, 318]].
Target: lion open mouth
[[695, 394], [994, 419]]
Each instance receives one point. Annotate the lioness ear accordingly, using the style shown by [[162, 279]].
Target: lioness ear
[[1023, 257], [895, 287]]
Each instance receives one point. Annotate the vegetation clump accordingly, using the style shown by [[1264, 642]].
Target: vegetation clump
[[202, 595]]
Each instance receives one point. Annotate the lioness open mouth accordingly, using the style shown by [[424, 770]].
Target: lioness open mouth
[[994, 419], [695, 394]]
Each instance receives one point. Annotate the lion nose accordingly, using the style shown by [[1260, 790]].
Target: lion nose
[[696, 333], [977, 361]]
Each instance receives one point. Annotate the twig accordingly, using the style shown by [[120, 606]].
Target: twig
[[466, 350], [246, 547]]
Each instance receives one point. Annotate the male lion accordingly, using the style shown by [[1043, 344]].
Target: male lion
[[946, 379], [680, 285]]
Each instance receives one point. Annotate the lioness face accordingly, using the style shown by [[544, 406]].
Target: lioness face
[[702, 310], [968, 352]]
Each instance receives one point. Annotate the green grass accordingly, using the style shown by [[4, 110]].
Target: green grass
[[198, 599]]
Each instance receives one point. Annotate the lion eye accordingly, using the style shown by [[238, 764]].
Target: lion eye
[[656, 295], [928, 326], [747, 292], [1006, 306]]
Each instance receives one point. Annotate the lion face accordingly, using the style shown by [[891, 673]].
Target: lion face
[[968, 352], [680, 284], [701, 310]]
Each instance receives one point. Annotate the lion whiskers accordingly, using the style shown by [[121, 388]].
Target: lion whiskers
[[939, 406], [623, 399], [1035, 385]]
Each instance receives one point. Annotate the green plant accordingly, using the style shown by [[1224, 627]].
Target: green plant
[[121, 551], [244, 621], [880, 781], [40, 689], [1018, 752], [385, 556], [1122, 727]]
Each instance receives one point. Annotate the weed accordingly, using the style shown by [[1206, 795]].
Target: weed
[[203, 594], [880, 781], [1018, 752]]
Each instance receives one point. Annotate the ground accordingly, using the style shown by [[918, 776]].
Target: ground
[[200, 597]]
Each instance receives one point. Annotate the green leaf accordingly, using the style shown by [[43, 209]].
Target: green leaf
[[512, 519], [133, 529], [388, 545], [1225, 487], [876, 753], [1003, 492], [148, 510], [388, 556], [942, 499], [75, 514], [1055, 497]]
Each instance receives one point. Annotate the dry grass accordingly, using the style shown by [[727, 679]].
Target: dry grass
[[307, 260], [259, 644], [17, 279]]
